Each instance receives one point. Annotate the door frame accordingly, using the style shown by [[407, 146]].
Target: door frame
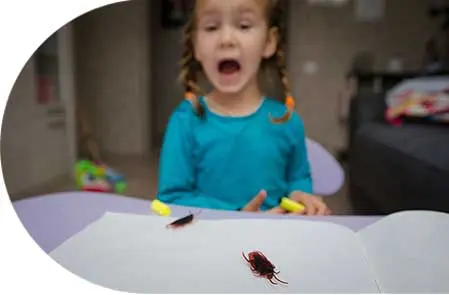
[[67, 73]]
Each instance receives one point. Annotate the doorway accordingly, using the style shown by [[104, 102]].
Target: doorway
[[38, 136]]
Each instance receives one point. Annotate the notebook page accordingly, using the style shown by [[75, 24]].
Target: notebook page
[[135, 253], [409, 252]]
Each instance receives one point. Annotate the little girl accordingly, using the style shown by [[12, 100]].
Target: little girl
[[234, 149]]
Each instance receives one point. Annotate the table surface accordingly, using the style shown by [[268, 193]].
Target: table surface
[[52, 219]]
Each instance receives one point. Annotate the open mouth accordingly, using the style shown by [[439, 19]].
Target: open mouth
[[228, 66]]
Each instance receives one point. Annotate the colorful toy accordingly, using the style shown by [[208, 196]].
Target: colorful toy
[[418, 104], [160, 208], [291, 206], [96, 177]]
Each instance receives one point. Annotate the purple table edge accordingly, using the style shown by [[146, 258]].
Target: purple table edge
[[52, 219]]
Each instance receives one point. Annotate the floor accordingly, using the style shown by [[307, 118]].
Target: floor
[[141, 178]]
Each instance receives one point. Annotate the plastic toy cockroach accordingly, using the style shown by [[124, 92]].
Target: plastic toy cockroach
[[183, 221], [262, 267]]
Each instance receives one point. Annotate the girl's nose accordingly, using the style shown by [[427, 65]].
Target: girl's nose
[[227, 37]]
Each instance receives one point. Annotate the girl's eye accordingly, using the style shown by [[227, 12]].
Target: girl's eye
[[245, 26], [211, 28]]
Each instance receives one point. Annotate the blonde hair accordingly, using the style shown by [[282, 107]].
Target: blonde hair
[[190, 68]]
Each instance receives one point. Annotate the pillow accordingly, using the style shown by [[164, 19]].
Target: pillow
[[423, 98], [424, 84]]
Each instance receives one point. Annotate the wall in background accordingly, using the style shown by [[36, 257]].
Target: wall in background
[[113, 66], [33, 150], [330, 37], [166, 55]]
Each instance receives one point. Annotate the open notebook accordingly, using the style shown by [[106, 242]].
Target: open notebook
[[406, 252]]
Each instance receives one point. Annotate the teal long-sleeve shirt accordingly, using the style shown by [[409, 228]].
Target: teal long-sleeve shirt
[[220, 162]]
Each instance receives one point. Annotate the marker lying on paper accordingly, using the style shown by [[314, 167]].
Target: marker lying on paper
[[160, 208], [291, 206]]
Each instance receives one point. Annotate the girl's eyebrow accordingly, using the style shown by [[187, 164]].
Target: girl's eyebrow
[[211, 13], [207, 12], [206, 15], [242, 9], [245, 10]]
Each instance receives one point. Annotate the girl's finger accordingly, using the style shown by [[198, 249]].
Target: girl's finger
[[256, 202], [321, 208], [310, 207]]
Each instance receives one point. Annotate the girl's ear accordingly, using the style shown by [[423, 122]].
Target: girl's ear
[[272, 42]]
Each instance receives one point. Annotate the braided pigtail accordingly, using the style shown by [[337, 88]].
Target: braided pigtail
[[289, 101], [189, 69], [276, 20]]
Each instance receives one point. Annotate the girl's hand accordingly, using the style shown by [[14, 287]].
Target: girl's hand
[[314, 204], [256, 202]]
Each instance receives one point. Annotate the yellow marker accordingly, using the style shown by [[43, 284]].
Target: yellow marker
[[291, 206], [160, 208]]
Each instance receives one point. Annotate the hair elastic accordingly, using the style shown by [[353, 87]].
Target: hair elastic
[[190, 95], [290, 102]]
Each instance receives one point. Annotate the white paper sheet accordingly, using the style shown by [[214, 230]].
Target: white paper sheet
[[409, 251], [135, 253]]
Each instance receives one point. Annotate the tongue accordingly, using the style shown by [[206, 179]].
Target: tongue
[[229, 67]]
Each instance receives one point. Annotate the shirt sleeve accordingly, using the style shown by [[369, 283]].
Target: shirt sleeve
[[299, 174], [176, 179]]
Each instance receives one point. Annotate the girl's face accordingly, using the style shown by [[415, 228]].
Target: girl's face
[[230, 39]]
